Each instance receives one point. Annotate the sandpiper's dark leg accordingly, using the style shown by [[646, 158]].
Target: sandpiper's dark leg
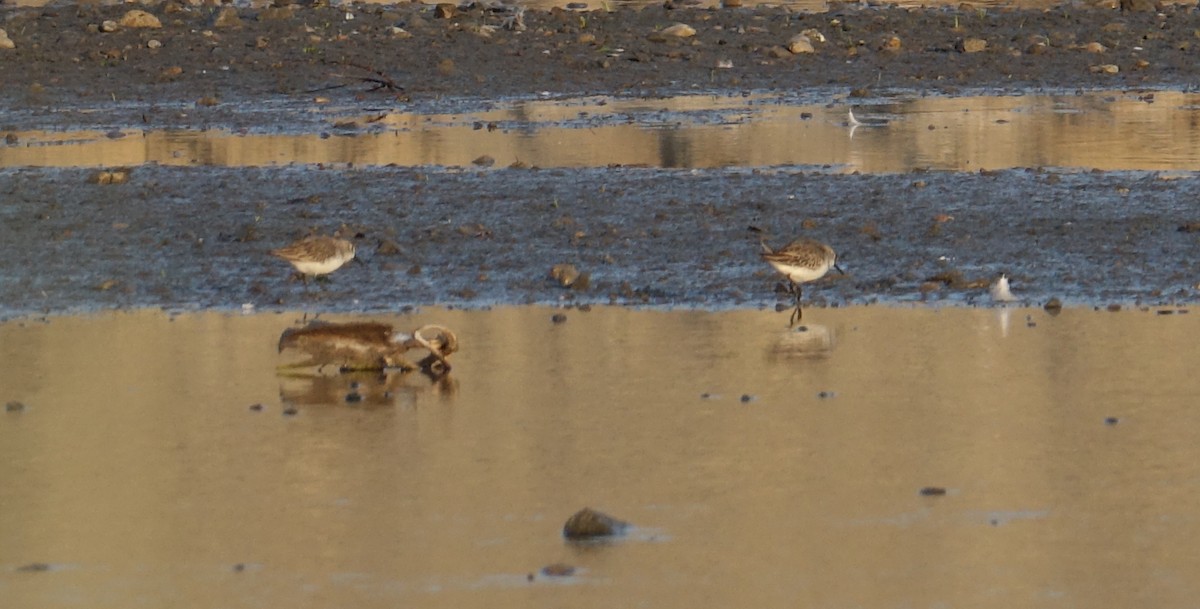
[[798, 314]]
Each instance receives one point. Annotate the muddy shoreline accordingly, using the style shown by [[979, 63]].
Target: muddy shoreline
[[197, 237]]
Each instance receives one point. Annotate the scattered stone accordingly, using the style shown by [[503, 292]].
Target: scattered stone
[[813, 34], [14, 406], [5, 41], [558, 569], [1113, 308], [933, 491], [731, 3], [1105, 68], [445, 10], [891, 44], [290, 411], [678, 30], [724, 64], [586, 38], [153, 44], [171, 72], [256, 407], [1140, 5], [227, 17], [140, 19], [1165, 312], [1111, 420], [276, 13], [799, 44], [577, 6], [238, 568], [970, 45], [826, 395], [353, 397], [110, 176], [1053, 306], [445, 67], [484, 161], [590, 524], [208, 101], [34, 567], [558, 318], [1095, 47], [108, 26], [568, 276], [747, 398]]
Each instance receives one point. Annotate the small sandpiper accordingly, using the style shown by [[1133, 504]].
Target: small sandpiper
[[317, 255], [801, 261]]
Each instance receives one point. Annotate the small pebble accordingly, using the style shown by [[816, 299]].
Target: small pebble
[[825, 394], [558, 318], [256, 407], [1111, 420], [933, 491], [558, 569], [238, 568], [747, 398], [34, 567], [353, 397], [290, 411], [14, 406]]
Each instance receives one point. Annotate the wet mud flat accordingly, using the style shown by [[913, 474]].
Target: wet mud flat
[[203, 56], [199, 237], [161, 459]]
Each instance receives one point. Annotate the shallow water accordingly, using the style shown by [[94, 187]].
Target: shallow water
[[1144, 131], [138, 473]]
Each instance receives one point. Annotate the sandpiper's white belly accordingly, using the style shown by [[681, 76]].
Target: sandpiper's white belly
[[320, 267], [800, 274]]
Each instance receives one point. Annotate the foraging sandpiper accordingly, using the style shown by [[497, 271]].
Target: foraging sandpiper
[[801, 261], [316, 255]]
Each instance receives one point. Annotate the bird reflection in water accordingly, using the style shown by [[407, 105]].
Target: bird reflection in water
[[805, 342], [365, 389]]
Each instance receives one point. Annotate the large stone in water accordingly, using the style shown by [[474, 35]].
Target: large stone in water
[[590, 524]]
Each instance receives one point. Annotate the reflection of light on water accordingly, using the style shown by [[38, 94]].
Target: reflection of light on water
[[1109, 131], [804, 341]]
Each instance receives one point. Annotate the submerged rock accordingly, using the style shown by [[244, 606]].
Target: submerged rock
[[590, 524]]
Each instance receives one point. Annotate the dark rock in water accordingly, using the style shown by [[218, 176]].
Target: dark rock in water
[[590, 524], [558, 569], [14, 406], [933, 491], [34, 567], [1111, 421], [1053, 306], [256, 407], [558, 318]]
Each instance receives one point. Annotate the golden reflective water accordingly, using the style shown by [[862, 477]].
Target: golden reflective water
[[1109, 131], [140, 476]]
